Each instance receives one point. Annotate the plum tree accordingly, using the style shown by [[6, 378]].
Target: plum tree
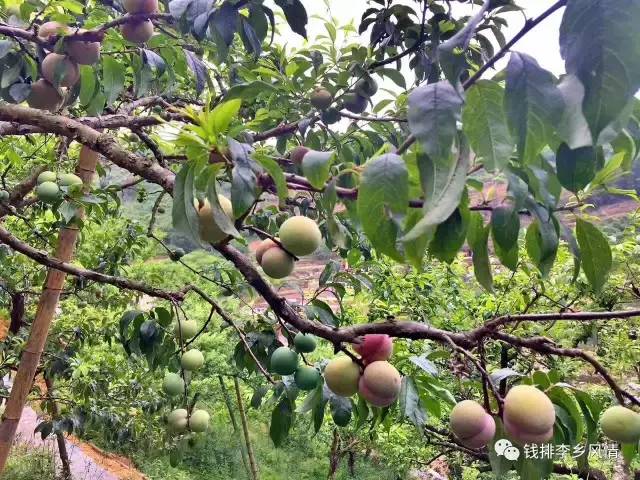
[[307, 377], [173, 384], [48, 192], [304, 343], [209, 230], [380, 384], [529, 415], [297, 154], [47, 176], [277, 263], [178, 420], [44, 96], [188, 329], [140, 6], [61, 68], [69, 179], [621, 424], [321, 98], [300, 235], [192, 360], [471, 424], [284, 361], [342, 375], [199, 421], [264, 245], [83, 52], [374, 347], [50, 29], [355, 103], [137, 31]]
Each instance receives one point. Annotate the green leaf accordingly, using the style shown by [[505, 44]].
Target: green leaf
[[244, 184], [596, 253], [434, 110], [478, 237], [450, 235], [443, 183], [275, 172], [395, 75], [576, 168], [184, 215], [411, 405], [295, 14], [219, 216], [533, 105], [383, 194], [600, 43], [485, 124], [281, 421], [505, 230], [316, 167], [249, 91], [113, 75], [87, 84], [542, 245], [223, 114]]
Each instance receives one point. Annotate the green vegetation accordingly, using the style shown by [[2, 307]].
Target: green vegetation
[[27, 463]]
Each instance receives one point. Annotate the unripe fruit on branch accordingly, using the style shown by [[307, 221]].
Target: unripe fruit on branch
[[199, 421], [355, 103], [48, 192], [178, 420], [173, 384], [54, 63], [374, 347], [264, 245], [50, 29], [341, 417], [300, 235], [321, 98], [188, 329], [137, 32], [307, 378], [342, 375], [304, 343], [68, 179], [4, 195], [284, 361], [209, 230], [82, 52], [297, 154], [621, 424], [141, 6], [192, 360], [380, 384], [277, 263], [472, 425], [331, 115], [47, 176], [45, 96], [529, 415], [366, 87]]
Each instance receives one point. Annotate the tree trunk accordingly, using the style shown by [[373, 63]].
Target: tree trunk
[[245, 429], [62, 445], [334, 456], [40, 328], [17, 312], [236, 430]]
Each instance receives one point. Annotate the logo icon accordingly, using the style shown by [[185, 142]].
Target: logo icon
[[504, 448]]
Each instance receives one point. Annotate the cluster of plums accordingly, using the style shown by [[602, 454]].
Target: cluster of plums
[[356, 100], [285, 361], [181, 420], [60, 70]]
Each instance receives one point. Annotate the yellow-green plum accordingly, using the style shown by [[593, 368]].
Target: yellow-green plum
[[192, 360], [307, 377], [48, 192], [529, 415], [47, 176], [56, 64], [45, 96], [621, 424], [173, 384], [342, 375], [137, 31], [374, 347], [304, 343], [188, 329], [300, 235], [472, 425], [380, 384], [199, 421], [277, 263], [284, 361], [50, 29], [68, 179], [263, 246], [83, 52], [321, 98], [178, 420], [209, 230]]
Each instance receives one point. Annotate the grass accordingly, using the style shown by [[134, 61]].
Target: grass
[[28, 463]]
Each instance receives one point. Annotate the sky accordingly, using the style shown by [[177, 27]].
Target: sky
[[541, 43]]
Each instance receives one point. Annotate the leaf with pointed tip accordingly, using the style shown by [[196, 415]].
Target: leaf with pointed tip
[[478, 238], [296, 15], [576, 168], [281, 421], [185, 217], [596, 253], [533, 104], [411, 405], [200, 70], [450, 235], [542, 243]]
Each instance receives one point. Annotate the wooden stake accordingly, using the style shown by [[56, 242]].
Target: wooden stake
[[45, 313], [245, 428]]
